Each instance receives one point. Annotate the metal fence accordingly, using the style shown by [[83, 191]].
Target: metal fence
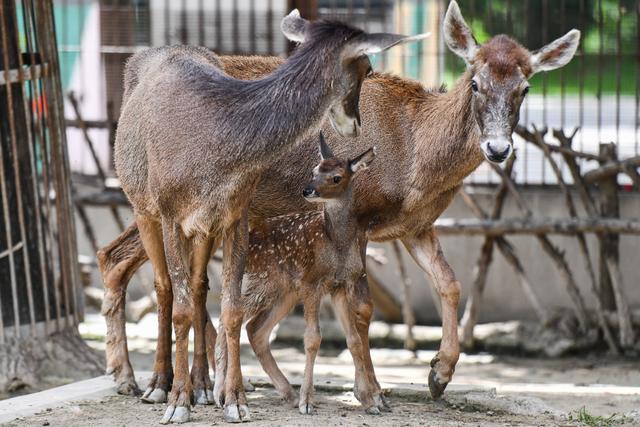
[[39, 291], [599, 91]]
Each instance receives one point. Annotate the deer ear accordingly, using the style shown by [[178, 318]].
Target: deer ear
[[294, 27], [325, 150], [458, 35], [368, 44], [556, 54], [363, 160]]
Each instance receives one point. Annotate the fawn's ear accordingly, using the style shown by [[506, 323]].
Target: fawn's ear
[[325, 150], [556, 54], [294, 27], [363, 160], [458, 35]]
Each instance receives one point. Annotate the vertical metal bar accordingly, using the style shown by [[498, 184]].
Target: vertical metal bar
[[600, 58], [252, 26], [270, 27], [583, 12], [545, 11], [35, 88], [509, 18], [167, 23], [235, 30], [618, 70], [637, 58], [218, 26], [562, 81], [200, 14], [16, 169], [3, 185], [184, 32], [367, 14], [525, 157]]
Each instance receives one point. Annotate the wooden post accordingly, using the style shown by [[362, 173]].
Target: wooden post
[[609, 208]]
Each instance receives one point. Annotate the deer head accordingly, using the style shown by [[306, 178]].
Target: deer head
[[353, 65], [500, 70], [332, 176]]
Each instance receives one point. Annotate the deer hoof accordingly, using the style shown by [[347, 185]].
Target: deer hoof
[[176, 415], [382, 403], [154, 395], [200, 397], [372, 410], [305, 408], [128, 387], [435, 386], [210, 396], [236, 413]]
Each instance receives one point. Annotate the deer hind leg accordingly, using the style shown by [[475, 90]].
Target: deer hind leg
[[312, 340], [236, 242], [362, 309], [179, 401], [259, 329], [363, 389], [200, 256], [151, 237], [426, 251], [118, 262]]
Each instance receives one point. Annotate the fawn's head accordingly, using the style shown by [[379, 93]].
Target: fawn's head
[[351, 46], [332, 177], [500, 72]]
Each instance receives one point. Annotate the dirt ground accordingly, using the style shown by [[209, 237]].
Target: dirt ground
[[582, 390]]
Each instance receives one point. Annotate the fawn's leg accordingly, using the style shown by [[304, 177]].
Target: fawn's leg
[[179, 402], [259, 329], [200, 256], [312, 339], [236, 242], [363, 389], [426, 251], [362, 309], [118, 261], [151, 235]]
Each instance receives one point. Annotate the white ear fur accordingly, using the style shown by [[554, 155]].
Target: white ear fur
[[458, 35], [368, 44], [363, 160], [556, 54], [294, 27]]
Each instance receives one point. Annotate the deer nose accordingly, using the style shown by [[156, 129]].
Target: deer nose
[[308, 192], [496, 155]]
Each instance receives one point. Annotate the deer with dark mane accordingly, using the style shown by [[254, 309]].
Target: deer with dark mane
[[191, 145], [428, 142]]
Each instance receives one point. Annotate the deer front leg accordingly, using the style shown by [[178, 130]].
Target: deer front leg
[[236, 242], [179, 402], [363, 389], [426, 251], [312, 339], [118, 262], [202, 388]]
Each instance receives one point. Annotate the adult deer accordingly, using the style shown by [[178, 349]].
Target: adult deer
[[310, 255], [428, 142], [191, 146]]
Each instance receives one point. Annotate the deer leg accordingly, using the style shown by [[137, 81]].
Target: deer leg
[[179, 402], [259, 329], [236, 242], [118, 262], [362, 309], [363, 389], [202, 388], [426, 251], [151, 235], [312, 339]]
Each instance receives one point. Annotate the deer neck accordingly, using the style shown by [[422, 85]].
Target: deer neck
[[339, 218]]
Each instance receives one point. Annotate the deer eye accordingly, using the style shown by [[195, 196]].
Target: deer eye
[[474, 86], [337, 179], [525, 91]]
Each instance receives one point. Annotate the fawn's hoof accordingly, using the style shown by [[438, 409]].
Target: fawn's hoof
[[203, 397], [154, 395], [247, 385], [382, 403], [373, 410], [236, 413], [178, 415], [306, 408], [128, 387]]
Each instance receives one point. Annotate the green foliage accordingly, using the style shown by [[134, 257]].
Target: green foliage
[[585, 418]]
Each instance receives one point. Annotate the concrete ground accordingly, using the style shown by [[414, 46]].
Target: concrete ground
[[486, 390]]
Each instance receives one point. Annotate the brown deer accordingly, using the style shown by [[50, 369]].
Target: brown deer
[[191, 145], [309, 255], [428, 142]]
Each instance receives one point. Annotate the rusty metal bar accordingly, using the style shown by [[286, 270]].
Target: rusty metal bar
[[23, 74]]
